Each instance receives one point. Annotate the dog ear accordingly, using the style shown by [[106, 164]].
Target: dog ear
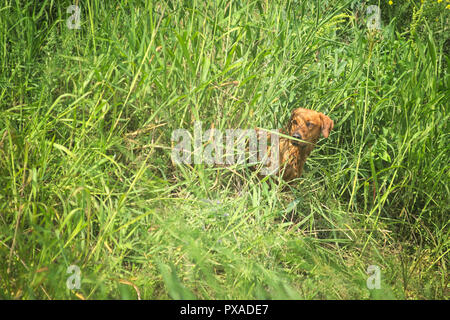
[[293, 114], [290, 120], [327, 125]]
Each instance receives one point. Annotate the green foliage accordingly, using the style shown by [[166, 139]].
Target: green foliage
[[86, 178]]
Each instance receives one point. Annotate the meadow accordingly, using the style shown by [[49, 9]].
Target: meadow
[[93, 207]]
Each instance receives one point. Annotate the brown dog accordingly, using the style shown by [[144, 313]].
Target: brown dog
[[305, 125]]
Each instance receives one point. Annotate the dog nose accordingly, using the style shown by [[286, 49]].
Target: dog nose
[[296, 136]]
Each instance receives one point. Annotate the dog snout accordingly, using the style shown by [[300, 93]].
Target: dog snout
[[296, 136]]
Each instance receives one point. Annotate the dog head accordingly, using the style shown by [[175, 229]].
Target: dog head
[[307, 125]]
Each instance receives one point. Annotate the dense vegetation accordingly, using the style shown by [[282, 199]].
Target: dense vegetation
[[86, 177]]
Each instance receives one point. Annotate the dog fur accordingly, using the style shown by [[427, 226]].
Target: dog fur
[[305, 127]]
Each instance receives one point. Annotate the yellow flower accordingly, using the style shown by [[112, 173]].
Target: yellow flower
[[448, 6], [439, 0], [390, 2]]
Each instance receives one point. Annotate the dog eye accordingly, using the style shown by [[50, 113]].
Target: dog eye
[[294, 122], [309, 124]]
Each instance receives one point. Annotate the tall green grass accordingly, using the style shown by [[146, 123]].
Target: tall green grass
[[86, 177]]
